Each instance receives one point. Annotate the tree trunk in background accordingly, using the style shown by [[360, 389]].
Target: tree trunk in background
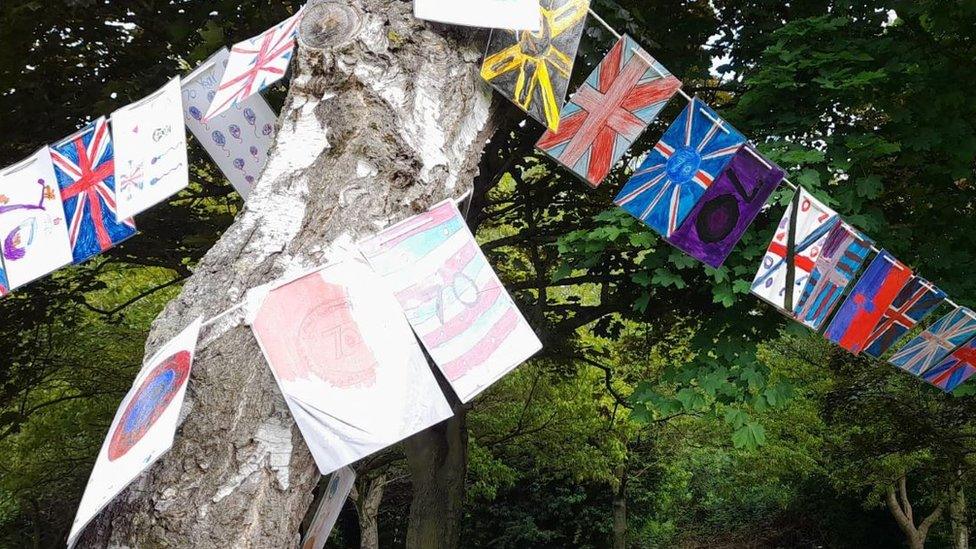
[[438, 462], [368, 495], [620, 510], [957, 517], [901, 509], [384, 119]]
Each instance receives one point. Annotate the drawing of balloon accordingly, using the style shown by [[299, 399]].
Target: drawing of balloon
[[235, 132], [239, 163], [211, 94], [249, 179], [220, 140], [255, 153], [198, 116], [252, 119], [16, 244], [268, 129]]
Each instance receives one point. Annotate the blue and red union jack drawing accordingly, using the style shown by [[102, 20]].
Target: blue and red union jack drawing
[[915, 302], [842, 256], [925, 351], [623, 95], [675, 175], [955, 369], [85, 168], [255, 64]]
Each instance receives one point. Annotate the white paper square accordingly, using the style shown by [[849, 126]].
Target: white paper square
[[144, 426], [239, 138], [347, 363], [33, 230], [150, 151], [519, 15]]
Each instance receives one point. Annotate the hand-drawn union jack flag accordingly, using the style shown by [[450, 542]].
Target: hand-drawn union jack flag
[[622, 96], [675, 175], [793, 252], [928, 349], [255, 64], [85, 167], [915, 302], [955, 369], [4, 285], [843, 254]]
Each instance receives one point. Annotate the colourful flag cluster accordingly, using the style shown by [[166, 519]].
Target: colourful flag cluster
[[75, 199], [703, 185]]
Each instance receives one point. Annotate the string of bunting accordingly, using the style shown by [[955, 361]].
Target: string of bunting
[[345, 342]]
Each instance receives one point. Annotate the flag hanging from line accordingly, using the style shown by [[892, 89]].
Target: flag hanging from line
[[144, 426], [915, 302], [680, 168], [874, 292], [532, 69], [717, 222], [843, 254], [349, 367], [955, 369], [793, 252], [151, 162], [516, 15], [925, 351], [453, 299], [255, 64], [238, 139], [623, 95], [33, 229], [85, 168]]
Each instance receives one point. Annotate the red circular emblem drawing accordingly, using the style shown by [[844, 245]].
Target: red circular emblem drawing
[[152, 399]]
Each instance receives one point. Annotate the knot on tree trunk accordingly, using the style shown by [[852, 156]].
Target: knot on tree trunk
[[328, 24]]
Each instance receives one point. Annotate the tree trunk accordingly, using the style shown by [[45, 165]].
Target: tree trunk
[[901, 509], [384, 118], [368, 496], [620, 510], [437, 460], [957, 517]]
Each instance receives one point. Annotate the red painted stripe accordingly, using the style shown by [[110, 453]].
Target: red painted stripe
[[802, 262], [478, 354], [459, 324]]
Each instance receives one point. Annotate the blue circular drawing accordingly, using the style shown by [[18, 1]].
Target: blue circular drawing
[[683, 164]]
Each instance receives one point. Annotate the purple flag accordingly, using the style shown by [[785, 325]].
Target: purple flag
[[718, 221]]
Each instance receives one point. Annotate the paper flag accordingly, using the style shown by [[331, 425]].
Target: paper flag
[[874, 292], [340, 485], [33, 229], [718, 221], [622, 96], [680, 168], [496, 14], [237, 139], [792, 254], [453, 299], [347, 363], [928, 349], [255, 64], [85, 168], [915, 302], [144, 427], [844, 252], [955, 369], [150, 151], [532, 69]]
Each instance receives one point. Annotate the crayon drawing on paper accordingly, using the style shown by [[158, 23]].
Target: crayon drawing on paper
[[914, 303], [843, 254], [350, 368], [453, 299], [935, 343]]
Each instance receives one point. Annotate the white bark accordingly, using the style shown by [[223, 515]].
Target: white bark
[[375, 129]]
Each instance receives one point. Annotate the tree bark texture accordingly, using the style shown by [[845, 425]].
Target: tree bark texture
[[384, 118], [957, 517], [620, 509], [368, 495], [901, 509]]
